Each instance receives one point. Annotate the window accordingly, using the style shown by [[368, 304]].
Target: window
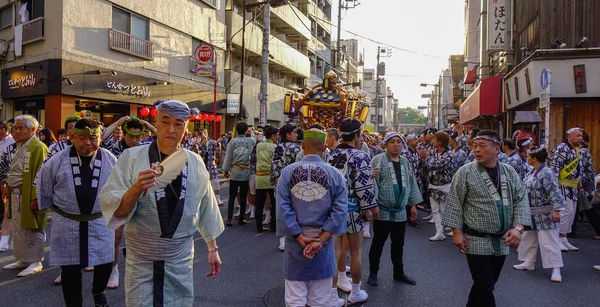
[[6, 19], [130, 23], [380, 104], [212, 3], [35, 9]]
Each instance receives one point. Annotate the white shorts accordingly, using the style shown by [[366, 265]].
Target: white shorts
[[215, 184], [314, 293], [252, 184]]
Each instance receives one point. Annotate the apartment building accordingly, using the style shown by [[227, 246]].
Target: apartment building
[[107, 59], [377, 112]]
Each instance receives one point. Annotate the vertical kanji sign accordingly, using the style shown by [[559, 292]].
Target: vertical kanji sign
[[498, 25]]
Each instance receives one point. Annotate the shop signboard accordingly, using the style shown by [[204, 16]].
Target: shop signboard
[[233, 103]]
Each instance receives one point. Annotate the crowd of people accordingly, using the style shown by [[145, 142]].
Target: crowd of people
[[322, 191]]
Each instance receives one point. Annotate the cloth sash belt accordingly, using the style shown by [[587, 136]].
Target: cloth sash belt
[[242, 166], [149, 248], [77, 217], [263, 173], [543, 209], [497, 239], [312, 232], [570, 183]]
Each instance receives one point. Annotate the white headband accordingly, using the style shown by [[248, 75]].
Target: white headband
[[574, 129], [534, 151], [488, 139], [527, 142]]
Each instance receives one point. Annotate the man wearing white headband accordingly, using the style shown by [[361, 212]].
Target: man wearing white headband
[[162, 219], [566, 164], [487, 210]]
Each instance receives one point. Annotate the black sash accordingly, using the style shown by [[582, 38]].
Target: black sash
[[86, 180]]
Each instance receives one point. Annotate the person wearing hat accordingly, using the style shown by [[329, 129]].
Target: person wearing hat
[[566, 164], [163, 214], [118, 133], [61, 145], [397, 196], [309, 260]]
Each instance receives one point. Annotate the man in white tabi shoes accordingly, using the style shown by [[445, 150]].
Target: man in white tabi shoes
[[163, 194]]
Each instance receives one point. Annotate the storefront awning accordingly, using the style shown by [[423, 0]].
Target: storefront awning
[[471, 76], [485, 100], [527, 117]]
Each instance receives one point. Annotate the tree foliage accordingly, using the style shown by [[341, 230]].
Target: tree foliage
[[411, 116]]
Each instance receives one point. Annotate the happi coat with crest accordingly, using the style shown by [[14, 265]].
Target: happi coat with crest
[[161, 226], [70, 187]]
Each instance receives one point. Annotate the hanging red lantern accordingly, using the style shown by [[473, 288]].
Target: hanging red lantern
[[81, 114], [144, 111], [153, 112], [211, 117], [218, 118], [204, 117], [192, 117], [198, 117]]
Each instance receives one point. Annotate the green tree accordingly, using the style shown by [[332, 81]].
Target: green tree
[[411, 116]]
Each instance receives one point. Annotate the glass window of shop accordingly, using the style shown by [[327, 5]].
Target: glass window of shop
[[106, 112]]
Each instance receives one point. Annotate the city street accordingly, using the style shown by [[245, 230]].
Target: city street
[[252, 275]]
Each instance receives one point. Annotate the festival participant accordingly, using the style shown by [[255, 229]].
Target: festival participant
[[264, 159], [209, 151], [459, 156], [461, 137], [47, 137], [19, 165], [118, 133], [412, 155], [470, 140], [514, 158], [397, 191], [283, 155], [237, 160], [566, 165], [6, 140], [161, 221], [309, 262], [62, 135], [438, 169], [487, 210], [65, 143], [69, 183], [355, 167], [523, 145], [545, 202]]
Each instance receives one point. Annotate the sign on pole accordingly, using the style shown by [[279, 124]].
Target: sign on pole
[[544, 100], [546, 83], [233, 103], [498, 25], [544, 79], [204, 57]]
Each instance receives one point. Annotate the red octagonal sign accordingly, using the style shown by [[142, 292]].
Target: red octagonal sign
[[203, 54]]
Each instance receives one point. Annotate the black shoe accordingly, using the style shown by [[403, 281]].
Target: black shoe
[[100, 300], [405, 279], [414, 224], [242, 222], [229, 224], [372, 281]]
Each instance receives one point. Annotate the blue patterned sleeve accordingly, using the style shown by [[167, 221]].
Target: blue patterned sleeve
[[5, 162], [552, 190], [414, 197], [336, 223], [364, 186]]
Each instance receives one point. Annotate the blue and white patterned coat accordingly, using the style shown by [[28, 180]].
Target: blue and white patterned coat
[[544, 195]]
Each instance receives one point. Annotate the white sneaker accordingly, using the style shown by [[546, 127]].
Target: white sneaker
[[33, 268], [89, 269], [438, 237], [431, 221], [282, 244], [570, 247], [343, 283], [596, 267], [4, 243], [450, 234], [347, 269], [556, 277], [528, 266], [252, 215], [248, 210], [267, 219], [58, 280], [336, 301], [562, 247], [16, 266], [113, 282], [357, 295], [366, 233], [429, 217], [237, 214]]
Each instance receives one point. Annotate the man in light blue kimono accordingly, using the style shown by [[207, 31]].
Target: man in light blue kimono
[[397, 193], [312, 203], [161, 221], [79, 236]]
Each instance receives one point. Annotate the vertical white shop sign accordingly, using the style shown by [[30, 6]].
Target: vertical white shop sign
[[233, 103], [498, 25]]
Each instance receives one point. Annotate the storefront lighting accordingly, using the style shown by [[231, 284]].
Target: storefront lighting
[[558, 44], [192, 118], [161, 83], [581, 42], [153, 112], [145, 111], [218, 118], [112, 72], [69, 81], [211, 117], [204, 117], [26, 66]]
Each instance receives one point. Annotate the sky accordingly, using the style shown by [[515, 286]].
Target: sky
[[434, 29]]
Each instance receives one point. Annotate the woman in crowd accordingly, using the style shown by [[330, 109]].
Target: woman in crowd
[[47, 137]]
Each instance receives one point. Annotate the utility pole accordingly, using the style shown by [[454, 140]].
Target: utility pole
[[377, 92], [264, 79], [338, 48], [243, 58]]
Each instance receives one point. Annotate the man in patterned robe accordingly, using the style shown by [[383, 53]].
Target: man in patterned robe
[[355, 166], [397, 191], [208, 152], [5, 141], [487, 209], [61, 145], [237, 170], [315, 184], [411, 153], [514, 159], [566, 164], [161, 222], [459, 156], [79, 236]]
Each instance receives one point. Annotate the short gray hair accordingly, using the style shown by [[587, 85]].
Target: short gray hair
[[30, 121]]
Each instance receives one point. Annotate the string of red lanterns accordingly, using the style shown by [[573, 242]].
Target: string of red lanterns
[[145, 111]]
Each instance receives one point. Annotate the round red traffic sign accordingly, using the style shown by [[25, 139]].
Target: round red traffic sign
[[203, 54]]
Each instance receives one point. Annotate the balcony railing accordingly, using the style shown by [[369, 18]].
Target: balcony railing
[[124, 42], [33, 30]]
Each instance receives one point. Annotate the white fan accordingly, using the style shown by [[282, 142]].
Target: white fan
[[170, 168]]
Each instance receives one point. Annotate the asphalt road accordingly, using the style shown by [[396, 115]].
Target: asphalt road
[[252, 274]]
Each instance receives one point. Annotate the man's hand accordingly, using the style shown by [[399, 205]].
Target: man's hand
[[214, 261], [368, 215], [512, 238], [305, 241], [423, 154], [123, 120], [375, 212], [555, 216], [375, 171], [226, 174], [413, 213], [146, 180], [5, 195], [34, 205], [460, 241], [312, 249]]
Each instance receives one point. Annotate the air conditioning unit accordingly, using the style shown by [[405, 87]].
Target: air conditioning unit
[[3, 48]]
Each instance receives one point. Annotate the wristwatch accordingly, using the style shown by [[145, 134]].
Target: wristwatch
[[520, 229]]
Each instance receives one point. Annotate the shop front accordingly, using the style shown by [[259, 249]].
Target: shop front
[[573, 102], [482, 108]]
